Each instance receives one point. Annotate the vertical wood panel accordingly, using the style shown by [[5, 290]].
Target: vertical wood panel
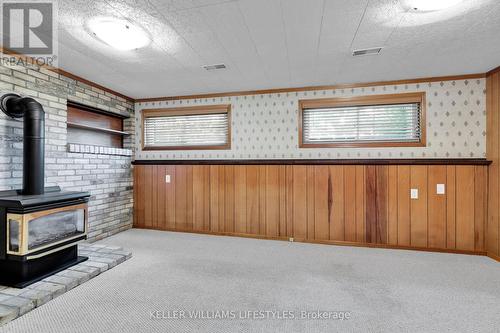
[[181, 196], [201, 197], [222, 198], [437, 206], [289, 218], [360, 204], [299, 201], [465, 208], [350, 202], [492, 152], [404, 218], [310, 202], [283, 200], [262, 199], [252, 189], [371, 203], [392, 223], [480, 206], [451, 204], [272, 199], [382, 204], [229, 198], [214, 198], [240, 199], [337, 227], [418, 207], [321, 188]]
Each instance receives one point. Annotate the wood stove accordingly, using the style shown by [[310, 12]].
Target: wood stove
[[39, 227]]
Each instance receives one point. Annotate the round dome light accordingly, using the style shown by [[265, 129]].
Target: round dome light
[[118, 33]]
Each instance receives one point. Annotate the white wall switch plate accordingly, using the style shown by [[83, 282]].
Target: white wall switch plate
[[414, 193], [440, 189], [167, 178]]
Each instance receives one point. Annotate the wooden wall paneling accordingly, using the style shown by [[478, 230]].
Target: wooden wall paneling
[[240, 199], [229, 198], [201, 197], [392, 214], [437, 206], [252, 188], [183, 187], [376, 203], [371, 203], [492, 149], [262, 200], [337, 226], [222, 198], [282, 231], [465, 207], [138, 196], [299, 201], [360, 204], [322, 204], [161, 203], [289, 199], [451, 204], [350, 203], [310, 202], [404, 217], [272, 199], [418, 207], [382, 204], [480, 206], [150, 194]]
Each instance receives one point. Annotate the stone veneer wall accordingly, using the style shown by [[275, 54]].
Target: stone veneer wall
[[105, 173]]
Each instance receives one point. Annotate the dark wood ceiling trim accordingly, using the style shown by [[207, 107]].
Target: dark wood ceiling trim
[[311, 88], [59, 71], [493, 71], [416, 161]]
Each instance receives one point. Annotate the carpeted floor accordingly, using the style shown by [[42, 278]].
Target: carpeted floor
[[382, 290]]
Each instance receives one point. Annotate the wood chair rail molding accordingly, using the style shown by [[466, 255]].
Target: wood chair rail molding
[[421, 161], [418, 97]]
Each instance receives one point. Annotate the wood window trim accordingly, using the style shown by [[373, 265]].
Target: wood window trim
[[184, 111], [418, 97]]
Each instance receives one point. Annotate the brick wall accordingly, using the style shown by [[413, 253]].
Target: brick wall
[[108, 177]]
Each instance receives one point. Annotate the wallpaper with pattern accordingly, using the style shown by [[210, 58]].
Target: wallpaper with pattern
[[265, 126]]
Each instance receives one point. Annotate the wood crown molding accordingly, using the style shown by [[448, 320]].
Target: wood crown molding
[[312, 88], [421, 161], [59, 71], [493, 71]]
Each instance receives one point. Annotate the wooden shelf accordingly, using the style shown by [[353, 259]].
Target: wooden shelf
[[97, 129]]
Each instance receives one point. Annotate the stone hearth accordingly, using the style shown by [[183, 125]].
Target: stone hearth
[[16, 302]]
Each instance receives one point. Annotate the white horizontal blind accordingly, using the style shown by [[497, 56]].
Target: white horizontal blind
[[371, 123], [186, 130]]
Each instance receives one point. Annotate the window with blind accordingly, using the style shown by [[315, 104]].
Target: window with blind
[[203, 127], [365, 121]]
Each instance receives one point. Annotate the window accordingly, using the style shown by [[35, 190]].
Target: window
[[366, 121], [200, 127]]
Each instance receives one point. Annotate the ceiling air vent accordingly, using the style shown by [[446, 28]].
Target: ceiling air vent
[[375, 50], [214, 67]]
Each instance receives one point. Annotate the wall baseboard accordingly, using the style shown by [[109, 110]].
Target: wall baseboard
[[325, 242], [493, 256]]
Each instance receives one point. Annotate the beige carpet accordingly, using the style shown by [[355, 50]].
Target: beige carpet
[[382, 290]]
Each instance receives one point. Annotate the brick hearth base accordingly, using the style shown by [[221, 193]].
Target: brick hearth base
[[16, 302]]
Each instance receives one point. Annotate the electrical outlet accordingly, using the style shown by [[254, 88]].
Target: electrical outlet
[[414, 193], [167, 178], [290, 239], [440, 189]]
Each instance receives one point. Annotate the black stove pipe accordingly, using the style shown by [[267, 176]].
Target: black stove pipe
[[33, 139]]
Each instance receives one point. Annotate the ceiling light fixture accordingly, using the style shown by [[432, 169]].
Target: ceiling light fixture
[[432, 5], [118, 33]]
